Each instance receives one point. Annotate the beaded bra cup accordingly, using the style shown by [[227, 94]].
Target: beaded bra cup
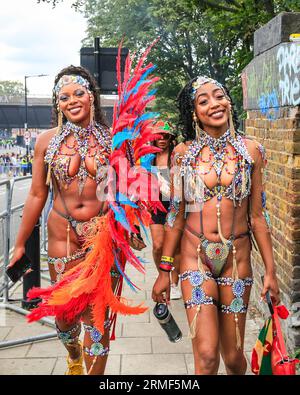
[[195, 188], [60, 162]]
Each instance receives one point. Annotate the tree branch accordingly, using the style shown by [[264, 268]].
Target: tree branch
[[234, 2], [212, 4], [189, 52], [269, 7]]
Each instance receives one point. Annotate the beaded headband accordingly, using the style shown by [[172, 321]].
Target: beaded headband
[[201, 81], [71, 79]]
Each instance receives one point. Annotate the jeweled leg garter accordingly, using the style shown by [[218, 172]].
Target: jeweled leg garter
[[97, 349], [67, 337], [238, 289], [237, 304], [59, 264], [198, 296]]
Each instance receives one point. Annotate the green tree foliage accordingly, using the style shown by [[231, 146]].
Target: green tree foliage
[[213, 37], [11, 88], [185, 48]]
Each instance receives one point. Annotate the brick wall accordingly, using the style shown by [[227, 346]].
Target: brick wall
[[281, 139], [271, 91]]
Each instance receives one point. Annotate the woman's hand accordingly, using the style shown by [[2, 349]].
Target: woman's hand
[[161, 288], [271, 284], [18, 253]]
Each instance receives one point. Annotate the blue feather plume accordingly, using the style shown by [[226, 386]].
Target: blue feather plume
[[120, 216], [119, 138], [126, 278], [124, 200]]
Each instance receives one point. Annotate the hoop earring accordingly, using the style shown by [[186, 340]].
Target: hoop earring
[[196, 126]]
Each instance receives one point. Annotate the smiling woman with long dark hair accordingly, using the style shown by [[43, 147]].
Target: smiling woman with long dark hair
[[69, 157], [218, 200]]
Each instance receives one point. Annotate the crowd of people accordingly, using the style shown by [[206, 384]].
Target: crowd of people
[[15, 164], [7, 143]]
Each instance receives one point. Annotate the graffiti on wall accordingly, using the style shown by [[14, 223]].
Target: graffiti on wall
[[272, 80], [269, 105], [288, 58]]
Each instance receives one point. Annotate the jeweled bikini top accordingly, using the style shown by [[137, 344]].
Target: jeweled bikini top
[[59, 162], [195, 188]]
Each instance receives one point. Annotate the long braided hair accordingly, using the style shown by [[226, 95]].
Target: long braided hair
[[78, 70], [186, 106]]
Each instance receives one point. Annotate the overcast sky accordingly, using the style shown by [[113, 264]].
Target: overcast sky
[[37, 39]]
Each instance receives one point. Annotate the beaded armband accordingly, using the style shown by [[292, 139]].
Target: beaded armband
[[169, 259], [166, 264]]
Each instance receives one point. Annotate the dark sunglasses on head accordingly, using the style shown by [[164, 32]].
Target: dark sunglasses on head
[[164, 136]]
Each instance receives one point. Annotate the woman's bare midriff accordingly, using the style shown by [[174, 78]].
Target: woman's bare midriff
[[190, 242], [81, 207]]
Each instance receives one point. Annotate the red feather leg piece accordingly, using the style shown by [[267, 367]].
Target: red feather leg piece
[[87, 284]]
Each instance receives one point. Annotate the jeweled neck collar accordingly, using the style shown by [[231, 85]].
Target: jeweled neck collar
[[214, 140], [77, 129]]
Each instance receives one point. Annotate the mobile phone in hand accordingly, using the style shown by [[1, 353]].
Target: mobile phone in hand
[[19, 268]]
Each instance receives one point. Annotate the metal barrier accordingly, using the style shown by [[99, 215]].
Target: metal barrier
[[10, 171], [6, 218]]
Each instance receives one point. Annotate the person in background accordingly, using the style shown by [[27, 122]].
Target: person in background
[[24, 165], [13, 161], [162, 162]]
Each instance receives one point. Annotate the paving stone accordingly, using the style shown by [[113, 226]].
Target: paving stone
[[47, 349], [131, 345], [248, 357], [27, 366], [153, 364], [60, 366], [129, 294], [163, 345], [14, 352], [4, 331], [249, 342], [25, 330], [10, 318], [252, 326], [142, 329], [113, 366], [124, 319]]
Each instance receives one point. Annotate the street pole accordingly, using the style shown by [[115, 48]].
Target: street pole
[[97, 72], [26, 122]]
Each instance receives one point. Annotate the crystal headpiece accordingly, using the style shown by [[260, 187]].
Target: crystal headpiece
[[201, 81], [71, 79]]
